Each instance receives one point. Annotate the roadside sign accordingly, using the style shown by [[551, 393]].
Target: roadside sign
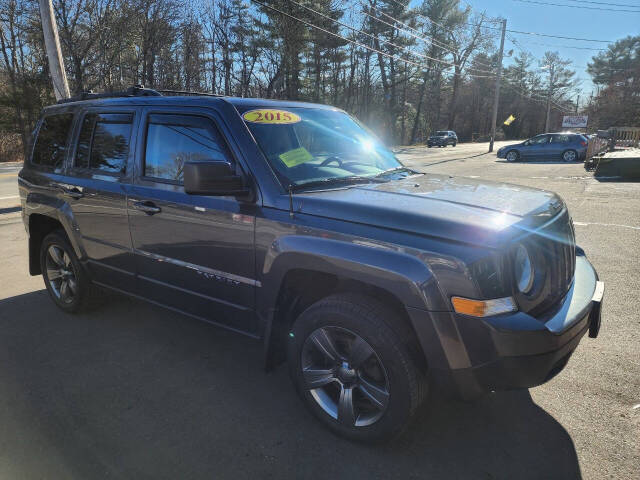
[[575, 121], [509, 120]]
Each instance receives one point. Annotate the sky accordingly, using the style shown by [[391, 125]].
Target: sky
[[564, 21]]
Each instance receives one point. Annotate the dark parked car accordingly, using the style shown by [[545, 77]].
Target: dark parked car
[[290, 223], [442, 138], [568, 147]]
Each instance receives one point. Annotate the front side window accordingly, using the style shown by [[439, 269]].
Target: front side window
[[173, 140], [306, 144], [51, 145], [539, 140], [103, 143]]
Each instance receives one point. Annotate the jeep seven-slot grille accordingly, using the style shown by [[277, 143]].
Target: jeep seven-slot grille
[[554, 252]]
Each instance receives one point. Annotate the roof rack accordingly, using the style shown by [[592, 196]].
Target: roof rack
[[135, 91], [188, 92]]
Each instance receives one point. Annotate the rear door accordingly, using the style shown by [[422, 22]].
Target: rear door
[[559, 143], [193, 253], [101, 168]]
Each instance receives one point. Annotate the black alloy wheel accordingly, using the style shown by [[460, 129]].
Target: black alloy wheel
[[67, 282], [351, 360], [345, 376]]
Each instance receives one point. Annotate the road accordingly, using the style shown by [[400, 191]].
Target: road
[[8, 185], [134, 391]]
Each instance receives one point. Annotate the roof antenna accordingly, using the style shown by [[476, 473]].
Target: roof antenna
[[291, 200]]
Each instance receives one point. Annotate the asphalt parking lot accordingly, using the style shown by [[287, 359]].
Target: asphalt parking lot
[[134, 391]]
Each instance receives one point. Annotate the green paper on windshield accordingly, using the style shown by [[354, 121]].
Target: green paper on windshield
[[295, 157]]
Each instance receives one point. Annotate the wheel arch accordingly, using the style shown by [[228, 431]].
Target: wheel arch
[[308, 269]]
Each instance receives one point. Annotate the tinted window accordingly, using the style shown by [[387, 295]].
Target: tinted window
[[441, 134], [560, 138], [175, 139], [51, 144], [103, 143]]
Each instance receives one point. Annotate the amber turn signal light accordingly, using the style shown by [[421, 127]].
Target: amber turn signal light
[[483, 308]]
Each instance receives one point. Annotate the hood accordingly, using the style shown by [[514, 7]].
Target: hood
[[456, 208], [511, 146]]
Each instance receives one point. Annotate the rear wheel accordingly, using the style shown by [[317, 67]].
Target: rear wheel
[[512, 156], [569, 156], [352, 369], [67, 282]]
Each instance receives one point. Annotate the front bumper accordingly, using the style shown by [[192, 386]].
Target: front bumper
[[515, 350]]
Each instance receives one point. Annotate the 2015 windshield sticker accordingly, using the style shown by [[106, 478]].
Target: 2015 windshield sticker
[[271, 116], [295, 157]]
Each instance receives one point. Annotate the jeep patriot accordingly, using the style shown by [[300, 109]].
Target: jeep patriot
[[291, 223]]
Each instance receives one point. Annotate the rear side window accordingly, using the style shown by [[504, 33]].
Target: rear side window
[[175, 139], [51, 145], [103, 143], [560, 138]]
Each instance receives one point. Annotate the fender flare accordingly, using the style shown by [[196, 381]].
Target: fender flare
[[38, 203], [397, 272]]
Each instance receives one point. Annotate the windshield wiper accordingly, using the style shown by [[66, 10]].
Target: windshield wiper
[[334, 181], [394, 170]]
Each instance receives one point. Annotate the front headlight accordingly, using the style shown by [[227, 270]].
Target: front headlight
[[523, 269]]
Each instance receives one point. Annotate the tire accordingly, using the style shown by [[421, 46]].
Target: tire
[[512, 156], [383, 392], [428, 146], [57, 256], [454, 144], [569, 156]]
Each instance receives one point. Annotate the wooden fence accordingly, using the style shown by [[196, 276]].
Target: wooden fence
[[625, 136]]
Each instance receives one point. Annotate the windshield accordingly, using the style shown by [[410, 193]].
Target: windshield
[[441, 134], [309, 145]]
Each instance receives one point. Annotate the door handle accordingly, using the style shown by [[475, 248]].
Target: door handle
[[147, 207], [70, 190]]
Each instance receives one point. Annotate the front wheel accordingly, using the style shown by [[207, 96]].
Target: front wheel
[[512, 156], [352, 369], [454, 144], [569, 156]]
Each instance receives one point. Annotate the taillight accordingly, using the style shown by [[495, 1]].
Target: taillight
[[583, 143]]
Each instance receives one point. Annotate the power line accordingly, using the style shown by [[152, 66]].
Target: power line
[[569, 46], [548, 35], [604, 3], [411, 52], [576, 6], [354, 42], [419, 35]]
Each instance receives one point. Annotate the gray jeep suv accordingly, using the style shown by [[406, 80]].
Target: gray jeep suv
[[290, 223]]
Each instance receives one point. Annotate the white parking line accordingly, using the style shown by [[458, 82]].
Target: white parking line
[[582, 224]]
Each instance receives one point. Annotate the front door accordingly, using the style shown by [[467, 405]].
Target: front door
[[193, 253], [537, 147], [96, 188]]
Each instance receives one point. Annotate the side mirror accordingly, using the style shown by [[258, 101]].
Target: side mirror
[[526, 143], [212, 178]]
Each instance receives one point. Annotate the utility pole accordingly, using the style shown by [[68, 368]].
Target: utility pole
[[54, 54], [546, 123], [496, 99], [577, 104]]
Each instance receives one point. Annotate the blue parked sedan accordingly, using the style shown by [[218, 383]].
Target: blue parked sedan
[[547, 146]]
